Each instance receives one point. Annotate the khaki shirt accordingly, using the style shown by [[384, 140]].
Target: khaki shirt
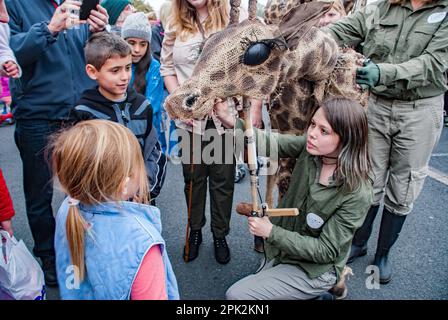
[[178, 58], [410, 47], [315, 248]]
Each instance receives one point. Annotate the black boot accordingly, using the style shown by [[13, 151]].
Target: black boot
[[194, 241], [49, 269], [222, 252], [391, 225], [362, 235]]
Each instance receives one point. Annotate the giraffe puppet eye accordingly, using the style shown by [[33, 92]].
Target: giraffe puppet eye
[[259, 51], [256, 54]]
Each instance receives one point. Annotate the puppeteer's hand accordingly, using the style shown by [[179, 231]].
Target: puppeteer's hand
[[260, 226], [11, 69], [369, 75], [98, 19], [256, 113], [224, 115]]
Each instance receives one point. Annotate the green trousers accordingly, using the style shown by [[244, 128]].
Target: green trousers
[[402, 136]]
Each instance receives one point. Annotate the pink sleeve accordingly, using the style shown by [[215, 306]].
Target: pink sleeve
[[149, 284]]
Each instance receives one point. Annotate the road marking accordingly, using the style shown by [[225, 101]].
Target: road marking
[[438, 175], [439, 155]]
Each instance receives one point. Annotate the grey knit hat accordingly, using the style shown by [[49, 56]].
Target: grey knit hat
[[136, 25]]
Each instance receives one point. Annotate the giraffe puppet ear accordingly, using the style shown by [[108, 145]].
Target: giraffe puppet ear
[[300, 19]]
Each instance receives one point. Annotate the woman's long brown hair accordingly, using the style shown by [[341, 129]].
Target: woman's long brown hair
[[185, 20]]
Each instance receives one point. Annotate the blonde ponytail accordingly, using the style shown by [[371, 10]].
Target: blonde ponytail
[[76, 227]]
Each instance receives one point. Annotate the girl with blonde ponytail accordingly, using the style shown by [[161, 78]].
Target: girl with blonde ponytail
[[108, 239]]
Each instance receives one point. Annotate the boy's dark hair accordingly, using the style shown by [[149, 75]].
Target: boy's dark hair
[[104, 45]]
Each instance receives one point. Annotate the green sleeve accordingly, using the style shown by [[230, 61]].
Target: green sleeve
[[336, 234], [274, 145], [350, 31], [420, 71]]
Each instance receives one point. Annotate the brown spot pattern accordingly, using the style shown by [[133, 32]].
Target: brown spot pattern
[[273, 64], [248, 83], [299, 124], [217, 76], [282, 120], [206, 91], [268, 85]]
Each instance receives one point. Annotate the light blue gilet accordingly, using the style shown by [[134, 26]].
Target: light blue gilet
[[119, 237]]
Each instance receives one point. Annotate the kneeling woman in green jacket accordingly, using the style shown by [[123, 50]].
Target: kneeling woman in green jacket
[[331, 187]]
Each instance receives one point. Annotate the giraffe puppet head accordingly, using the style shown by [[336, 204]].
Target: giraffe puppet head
[[254, 60], [242, 60]]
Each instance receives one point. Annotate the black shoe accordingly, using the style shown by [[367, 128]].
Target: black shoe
[[362, 235], [390, 229], [258, 244], [194, 241], [384, 267], [222, 252], [49, 269]]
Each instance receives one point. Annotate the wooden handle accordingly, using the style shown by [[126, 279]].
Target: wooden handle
[[251, 153], [282, 212]]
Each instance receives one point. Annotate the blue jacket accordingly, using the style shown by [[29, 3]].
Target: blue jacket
[[53, 67], [120, 236], [155, 92]]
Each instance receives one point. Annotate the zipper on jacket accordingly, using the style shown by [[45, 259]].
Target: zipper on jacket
[[121, 115], [125, 119]]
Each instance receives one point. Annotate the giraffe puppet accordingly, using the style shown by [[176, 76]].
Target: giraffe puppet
[[285, 60]]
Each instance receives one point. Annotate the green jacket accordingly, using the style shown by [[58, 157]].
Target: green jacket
[[292, 240], [409, 47]]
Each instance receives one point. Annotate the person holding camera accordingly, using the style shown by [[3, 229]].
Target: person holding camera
[[48, 42]]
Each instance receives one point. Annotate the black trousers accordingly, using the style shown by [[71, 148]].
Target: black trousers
[[31, 138]]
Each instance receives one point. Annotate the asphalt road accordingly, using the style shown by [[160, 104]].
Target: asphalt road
[[420, 255]]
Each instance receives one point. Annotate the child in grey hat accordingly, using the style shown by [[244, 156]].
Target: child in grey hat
[[146, 79], [136, 25]]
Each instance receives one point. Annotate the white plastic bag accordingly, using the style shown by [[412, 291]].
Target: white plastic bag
[[21, 277]]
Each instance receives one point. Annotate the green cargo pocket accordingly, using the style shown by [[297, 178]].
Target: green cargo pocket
[[415, 185], [380, 41], [419, 39]]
